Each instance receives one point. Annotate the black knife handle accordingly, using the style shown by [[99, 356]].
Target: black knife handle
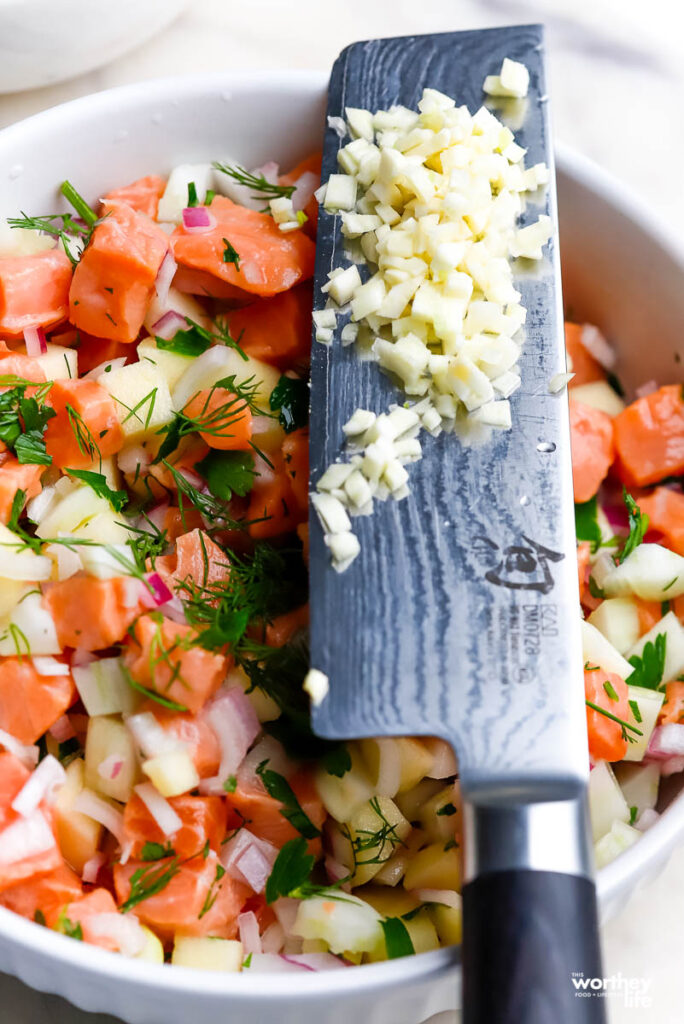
[[529, 939]]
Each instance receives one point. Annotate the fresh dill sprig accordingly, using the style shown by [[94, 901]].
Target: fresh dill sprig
[[60, 225], [262, 188], [614, 718]]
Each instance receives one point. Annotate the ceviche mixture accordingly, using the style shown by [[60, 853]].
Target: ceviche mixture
[[161, 792]]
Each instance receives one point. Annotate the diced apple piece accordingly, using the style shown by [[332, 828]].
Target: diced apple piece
[[170, 364], [29, 629], [267, 709], [11, 592], [381, 818], [433, 867], [142, 396], [172, 772], [344, 795], [19, 564], [177, 302], [651, 572], [596, 650], [397, 903], [71, 511], [448, 922], [639, 784], [59, 363], [152, 951], [108, 738], [219, 362], [103, 688], [649, 703], [606, 801], [410, 802], [670, 627], [438, 816], [615, 842], [77, 834], [407, 758], [346, 923], [207, 953], [599, 395], [617, 618]]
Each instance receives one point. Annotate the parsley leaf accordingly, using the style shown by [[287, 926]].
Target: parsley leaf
[[227, 627], [291, 870], [230, 785], [446, 811], [279, 788], [290, 399], [337, 761], [230, 254], [67, 927], [29, 448], [397, 938], [227, 473], [633, 812], [185, 343], [638, 525], [649, 667], [586, 523], [213, 892], [157, 851], [16, 509], [149, 881], [98, 483]]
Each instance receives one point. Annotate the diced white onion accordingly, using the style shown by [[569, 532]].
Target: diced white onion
[[26, 838], [123, 929], [248, 930], [26, 753], [47, 666], [249, 859], [95, 807], [149, 735], [43, 784], [160, 808]]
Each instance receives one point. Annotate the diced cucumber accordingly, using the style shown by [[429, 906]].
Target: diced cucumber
[[617, 618], [649, 703], [597, 650], [651, 572], [606, 801], [615, 842], [639, 784], [672, 629]]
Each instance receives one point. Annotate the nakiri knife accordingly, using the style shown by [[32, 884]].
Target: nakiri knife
[[460, 616]]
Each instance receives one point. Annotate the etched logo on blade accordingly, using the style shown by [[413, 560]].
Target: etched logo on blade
[[524, 566]]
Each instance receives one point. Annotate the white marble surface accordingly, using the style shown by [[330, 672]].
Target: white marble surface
[[617, 89]]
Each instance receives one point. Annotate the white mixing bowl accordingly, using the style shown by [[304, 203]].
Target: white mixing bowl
[[622, 271], [46, 41]]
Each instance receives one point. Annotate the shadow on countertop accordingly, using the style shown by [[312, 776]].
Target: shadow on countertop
[[22, 1005]]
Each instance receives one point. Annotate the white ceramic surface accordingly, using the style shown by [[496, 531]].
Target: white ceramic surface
[[46, 41], [622, 271]]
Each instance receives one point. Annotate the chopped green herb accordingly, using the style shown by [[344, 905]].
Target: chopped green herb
[[227, 473], [664, 608], [337, 761], [230, 785], [638, 525], [586, 523], [157, 851], [607, 714], [649, 667], [633, 811], [98, 483], [165, 702], [615, 384], [213, 892], [149, 881], [247, 962], [68, 927], [447, 810], [397, 939], [85, 212], [184, 343], [39, 918], [17, 508], [192, 194], [290, 399], [379, 843], [636, 713], [59, 225], [262, 188], [291, 870], [594, 588], [279, 788], [230, 254], [610, 690], [209, 197]]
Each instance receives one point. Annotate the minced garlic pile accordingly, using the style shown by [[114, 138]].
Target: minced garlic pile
[[429, 200]]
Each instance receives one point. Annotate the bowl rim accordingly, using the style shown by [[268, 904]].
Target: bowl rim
[[655, 845]]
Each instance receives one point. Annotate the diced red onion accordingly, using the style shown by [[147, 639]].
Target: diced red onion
[[194, 479], [334, 870], [36, 342], [62, 730], [168, 325], [315, 961], [646, 389], [248, 927], [672, 766], [232, 718], [79, 657], [124, 930], [272, 963], [48, 777], [667, 741], [596, 345], [447, 897], [273, 939], [616, 516], [99, 810], [91, 868], [133, 458], [111, 767], [25, 838], [97, 371], [48, 666], [305, 186], [285, 910], [267, 749], [160, 808], [249, 859], [154, 591], [149, 735], [647, 819], [157, 514], [26, 753], [165, 276], [443, 758], [197, 220]]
